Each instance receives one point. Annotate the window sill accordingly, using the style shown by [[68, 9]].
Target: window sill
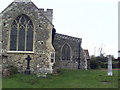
[[20, 52]]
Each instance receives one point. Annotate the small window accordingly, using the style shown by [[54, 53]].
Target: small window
[[52, 60], [52, 57], [52, 54]]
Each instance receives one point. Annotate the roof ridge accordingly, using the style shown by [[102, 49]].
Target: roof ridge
[[22, 1]]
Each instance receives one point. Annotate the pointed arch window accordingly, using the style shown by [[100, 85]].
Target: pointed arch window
[[66, 52], [21, 34]]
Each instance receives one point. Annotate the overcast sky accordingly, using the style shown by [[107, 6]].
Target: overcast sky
[[95, 21]]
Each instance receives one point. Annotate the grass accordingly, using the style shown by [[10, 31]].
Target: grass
[[66, 79]]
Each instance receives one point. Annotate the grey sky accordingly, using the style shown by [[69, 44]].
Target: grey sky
[[95, 21]]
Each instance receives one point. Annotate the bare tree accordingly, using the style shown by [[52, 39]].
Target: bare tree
[[101, 51]]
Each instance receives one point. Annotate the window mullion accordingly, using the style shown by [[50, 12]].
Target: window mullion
[[26, 28], [18, 29]]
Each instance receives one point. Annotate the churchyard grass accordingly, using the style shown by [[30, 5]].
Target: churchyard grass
[[65, 79]]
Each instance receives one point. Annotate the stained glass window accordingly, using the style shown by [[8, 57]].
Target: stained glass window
[[21, 35]]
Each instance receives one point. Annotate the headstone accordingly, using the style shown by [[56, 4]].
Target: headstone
[[110, 65]]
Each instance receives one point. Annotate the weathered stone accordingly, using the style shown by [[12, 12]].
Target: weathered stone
[[45, 53]]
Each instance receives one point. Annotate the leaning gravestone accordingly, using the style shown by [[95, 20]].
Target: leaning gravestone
[[110, 65]]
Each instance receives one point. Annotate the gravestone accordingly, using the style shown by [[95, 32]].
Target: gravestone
[[110, 65]]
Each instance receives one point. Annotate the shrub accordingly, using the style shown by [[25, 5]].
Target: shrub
[[104, 65], [94, 63], [12, 70], [98, 62]]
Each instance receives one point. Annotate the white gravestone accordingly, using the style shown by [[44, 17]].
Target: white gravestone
[[110, 65]]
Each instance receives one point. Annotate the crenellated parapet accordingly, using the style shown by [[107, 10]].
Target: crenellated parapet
[[62, 36], [48, 13]]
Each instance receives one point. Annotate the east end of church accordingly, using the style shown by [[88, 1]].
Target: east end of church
[[26, 30]]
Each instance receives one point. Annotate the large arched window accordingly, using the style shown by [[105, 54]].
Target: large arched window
[[21, 34], [66, 52]]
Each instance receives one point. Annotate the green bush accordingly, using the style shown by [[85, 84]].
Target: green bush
[[101, 62], [104, 65], [12, 70], [94, 63], [98, 62]]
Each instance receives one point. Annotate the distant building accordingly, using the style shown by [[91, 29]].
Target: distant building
[[87, 58]]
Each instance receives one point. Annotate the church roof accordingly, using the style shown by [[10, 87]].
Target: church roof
[[87, 53]]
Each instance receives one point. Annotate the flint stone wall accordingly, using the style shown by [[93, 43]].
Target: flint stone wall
[[76, 52], [42, 33], [42, 48]]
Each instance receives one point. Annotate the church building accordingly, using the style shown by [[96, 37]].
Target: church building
[[27, 31]]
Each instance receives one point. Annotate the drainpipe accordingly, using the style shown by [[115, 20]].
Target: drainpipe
[[79, 55]]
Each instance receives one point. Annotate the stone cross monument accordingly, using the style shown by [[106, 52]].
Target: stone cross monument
[[27, 71], [110, 65]]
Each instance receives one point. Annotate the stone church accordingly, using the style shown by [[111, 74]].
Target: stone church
[[26, 30]]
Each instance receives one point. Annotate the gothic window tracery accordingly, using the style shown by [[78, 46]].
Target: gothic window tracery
[[21, 34], [66, 52]]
